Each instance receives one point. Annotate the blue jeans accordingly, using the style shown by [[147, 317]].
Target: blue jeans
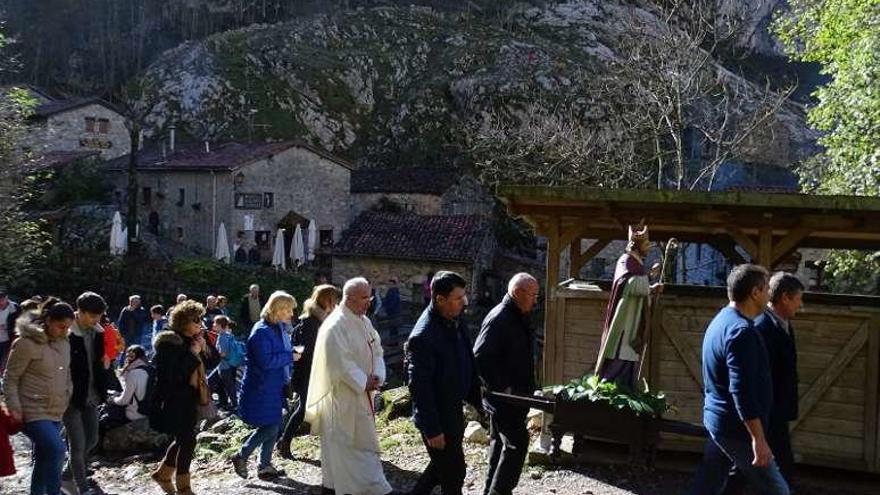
[[48, 456], [721, 454], [265, 437]]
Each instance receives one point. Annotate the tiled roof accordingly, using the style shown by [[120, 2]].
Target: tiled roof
[[222, 156], [413, 180], [415, 237], [59, 106]]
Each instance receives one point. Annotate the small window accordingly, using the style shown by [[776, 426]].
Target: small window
[[147, 195], [179, 233], [268, 200], [181, 196], [90, 124], [103, 126], [325, 237]]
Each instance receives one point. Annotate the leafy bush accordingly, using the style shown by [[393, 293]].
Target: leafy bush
[[592, 388]]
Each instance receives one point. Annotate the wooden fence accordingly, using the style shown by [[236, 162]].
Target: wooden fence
[[838, 341]]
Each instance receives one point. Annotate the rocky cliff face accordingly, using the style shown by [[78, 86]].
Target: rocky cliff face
[[400, 86]]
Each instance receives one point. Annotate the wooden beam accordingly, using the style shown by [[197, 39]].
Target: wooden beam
[[568, 235], [551, 336], [728, 249], [765, 246], [578, 258], [787, 244], [743, 240], [838, 363]]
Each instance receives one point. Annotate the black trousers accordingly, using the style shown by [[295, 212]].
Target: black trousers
[[447, 467], [507, 450]]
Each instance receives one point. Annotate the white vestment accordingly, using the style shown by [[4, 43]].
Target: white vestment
[[347, 352]]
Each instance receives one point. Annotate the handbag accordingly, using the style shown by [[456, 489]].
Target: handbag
[[206, 408]]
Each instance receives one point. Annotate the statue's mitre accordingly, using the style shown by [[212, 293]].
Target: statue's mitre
[[638, 232]]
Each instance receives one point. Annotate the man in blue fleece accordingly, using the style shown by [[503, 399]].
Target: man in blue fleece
[[738, 391]]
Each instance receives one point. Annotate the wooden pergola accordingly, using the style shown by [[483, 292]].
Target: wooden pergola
[[840, 335]]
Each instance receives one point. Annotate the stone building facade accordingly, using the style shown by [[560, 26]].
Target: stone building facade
[[419, 190], [252, 188], [77, 126]]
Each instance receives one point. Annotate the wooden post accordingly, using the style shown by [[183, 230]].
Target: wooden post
[[550, 332], [872, 400], [765, 247], [744, 241]]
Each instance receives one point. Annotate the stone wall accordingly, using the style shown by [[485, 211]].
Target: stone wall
[[66, 131], [297, 180], [467, 197], [422, 204], [409, 273]]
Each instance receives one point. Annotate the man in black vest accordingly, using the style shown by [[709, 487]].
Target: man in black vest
[[505, 363], [442, 374], [90, 381]]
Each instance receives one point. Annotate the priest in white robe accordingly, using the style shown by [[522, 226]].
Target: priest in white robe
[[346, 371]]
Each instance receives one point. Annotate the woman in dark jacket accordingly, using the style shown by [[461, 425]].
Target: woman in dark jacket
[[322, 301], [177, 393], [268, 371]]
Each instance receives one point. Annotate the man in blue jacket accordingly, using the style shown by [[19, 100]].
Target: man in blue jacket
[[442, 374], [506, 363], [738, 391]]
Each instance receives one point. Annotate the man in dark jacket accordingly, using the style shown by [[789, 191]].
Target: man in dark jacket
[[738, 391], [786, 292], [9, 312], [90, 381], [505, 363], [132, 321], [441, 375]]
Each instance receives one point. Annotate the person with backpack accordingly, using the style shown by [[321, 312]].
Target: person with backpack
[[231, 357], [323, 300], [178, 393], [135, 379]]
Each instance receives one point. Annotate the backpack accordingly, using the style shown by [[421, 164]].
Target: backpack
[[145, 405], [237, 351]]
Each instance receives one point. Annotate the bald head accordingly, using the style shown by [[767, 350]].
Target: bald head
[[356, 295], [523, 289]]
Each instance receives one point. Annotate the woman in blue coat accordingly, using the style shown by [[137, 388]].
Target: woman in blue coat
[[269, 366]]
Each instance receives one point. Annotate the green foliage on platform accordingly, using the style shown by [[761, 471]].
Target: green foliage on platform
[[591, 388]]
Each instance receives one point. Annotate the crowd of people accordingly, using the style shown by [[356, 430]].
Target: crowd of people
[[69, 377], [330, 356]]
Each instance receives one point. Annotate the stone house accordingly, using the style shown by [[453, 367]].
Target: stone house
[[77, 125], [406, 246], [420, 190], [253, 188]]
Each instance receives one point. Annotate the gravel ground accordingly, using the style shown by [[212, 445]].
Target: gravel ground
[[403, 457]]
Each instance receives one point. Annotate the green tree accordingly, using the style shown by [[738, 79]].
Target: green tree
[[23, 243], [844, 37]]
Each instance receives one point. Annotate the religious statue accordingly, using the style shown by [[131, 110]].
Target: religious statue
[[628, 313]]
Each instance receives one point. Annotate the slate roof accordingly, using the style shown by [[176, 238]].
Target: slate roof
[[414, 237], [58, 106], [223, 157], [412, 180]]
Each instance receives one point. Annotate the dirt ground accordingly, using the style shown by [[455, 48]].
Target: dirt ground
[[404, 458]]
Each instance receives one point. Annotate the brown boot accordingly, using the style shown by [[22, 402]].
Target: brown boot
[[162, 477], [182, 482]]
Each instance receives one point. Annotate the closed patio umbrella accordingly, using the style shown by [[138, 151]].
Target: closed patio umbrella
[[278, 258], [297, 250], [313, 239], [221, 251]]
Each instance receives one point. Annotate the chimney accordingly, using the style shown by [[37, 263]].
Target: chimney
[[207, 147], [171, 131]]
